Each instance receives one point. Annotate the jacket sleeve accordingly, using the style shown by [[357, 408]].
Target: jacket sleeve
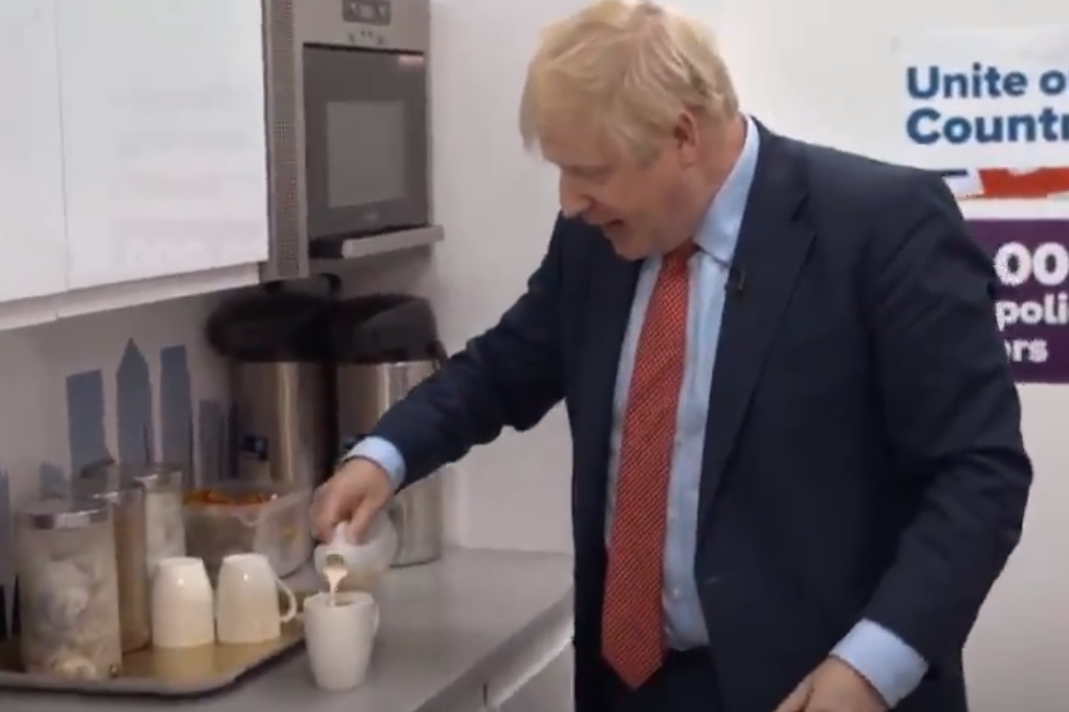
[[952, 416], [511, 375]]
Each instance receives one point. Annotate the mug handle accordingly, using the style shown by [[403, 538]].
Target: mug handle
[[291, 601], [375, 624]]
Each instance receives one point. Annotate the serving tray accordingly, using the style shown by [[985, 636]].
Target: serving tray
[[187, 672]]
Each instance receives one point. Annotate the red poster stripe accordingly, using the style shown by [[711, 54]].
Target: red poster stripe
[[1004, 184]]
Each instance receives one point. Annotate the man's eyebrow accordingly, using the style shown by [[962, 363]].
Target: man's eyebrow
[[584, 170]]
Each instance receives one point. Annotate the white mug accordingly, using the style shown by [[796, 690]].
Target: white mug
[[246, 601], [339, 634], [183, 614]]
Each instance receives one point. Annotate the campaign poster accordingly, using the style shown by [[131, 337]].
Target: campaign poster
[[989, 111], [1032, 305]]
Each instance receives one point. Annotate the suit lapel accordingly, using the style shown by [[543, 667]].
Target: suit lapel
[[612, 290], [773, 243]]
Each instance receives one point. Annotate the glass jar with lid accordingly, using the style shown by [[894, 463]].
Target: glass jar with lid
[[164, 520], [165, 529], [127, 500], [68, 588]]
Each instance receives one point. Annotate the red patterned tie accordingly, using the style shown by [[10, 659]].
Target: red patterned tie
[[633, 618]]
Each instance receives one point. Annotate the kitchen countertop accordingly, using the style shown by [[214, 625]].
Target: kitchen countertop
[[444, 626]]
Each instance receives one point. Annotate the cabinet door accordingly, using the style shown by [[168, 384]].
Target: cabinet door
[[164, 137], [549, 690], [537, 677], [32, 240]]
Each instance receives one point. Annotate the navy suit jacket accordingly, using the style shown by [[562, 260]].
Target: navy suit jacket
[[863, 457]]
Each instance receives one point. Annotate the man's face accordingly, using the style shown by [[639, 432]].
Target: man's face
[[635, 203]]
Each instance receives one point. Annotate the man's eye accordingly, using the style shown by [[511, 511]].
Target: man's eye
[[595, 175], [587, 173]]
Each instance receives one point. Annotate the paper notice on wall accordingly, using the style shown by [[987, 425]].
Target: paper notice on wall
[[989, 109]]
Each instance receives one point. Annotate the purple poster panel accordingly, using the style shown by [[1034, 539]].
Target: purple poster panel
[[1032, 262]]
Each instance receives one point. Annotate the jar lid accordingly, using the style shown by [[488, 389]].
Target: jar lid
[[57, 513], [150, 476], [108, 481], [156, 475]]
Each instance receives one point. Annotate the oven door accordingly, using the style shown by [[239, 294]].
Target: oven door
[[366, 144]]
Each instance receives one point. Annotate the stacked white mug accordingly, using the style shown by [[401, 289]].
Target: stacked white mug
[[183, 611]]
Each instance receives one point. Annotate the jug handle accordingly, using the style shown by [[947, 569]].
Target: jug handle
[[291, 601]]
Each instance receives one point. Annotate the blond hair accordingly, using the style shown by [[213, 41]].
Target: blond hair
[[627, 69]]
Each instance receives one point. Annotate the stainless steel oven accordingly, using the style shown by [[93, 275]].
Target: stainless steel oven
[[348, 118]]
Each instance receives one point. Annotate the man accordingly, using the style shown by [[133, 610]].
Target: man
[[798, 466]]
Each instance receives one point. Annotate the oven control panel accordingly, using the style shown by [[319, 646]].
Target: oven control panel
[[401, 26], [367, 12]]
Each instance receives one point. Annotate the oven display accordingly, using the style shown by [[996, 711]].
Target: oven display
[[366, 12]]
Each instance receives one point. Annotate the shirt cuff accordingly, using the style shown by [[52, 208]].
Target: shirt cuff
[[384, 454], [891, 666]]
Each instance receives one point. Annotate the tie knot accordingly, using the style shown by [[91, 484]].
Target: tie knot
[[679, 256]]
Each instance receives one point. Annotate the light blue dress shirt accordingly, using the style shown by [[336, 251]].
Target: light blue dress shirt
[[889, 664]]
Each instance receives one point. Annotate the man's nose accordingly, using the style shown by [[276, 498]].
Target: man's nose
[[572, 202]]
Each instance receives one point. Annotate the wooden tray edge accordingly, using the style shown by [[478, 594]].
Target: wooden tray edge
[[143, 686]]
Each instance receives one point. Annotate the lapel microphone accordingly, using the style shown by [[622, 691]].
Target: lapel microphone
[[736, 281]]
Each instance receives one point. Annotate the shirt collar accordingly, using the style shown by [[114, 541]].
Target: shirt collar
[[719, 232]]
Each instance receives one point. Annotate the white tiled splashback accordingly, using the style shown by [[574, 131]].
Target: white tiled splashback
[[136, 384]]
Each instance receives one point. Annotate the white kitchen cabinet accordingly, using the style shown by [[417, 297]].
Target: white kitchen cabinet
[[548, 690], [164, 138], [467, 699], [536, 676], [32, 240]]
